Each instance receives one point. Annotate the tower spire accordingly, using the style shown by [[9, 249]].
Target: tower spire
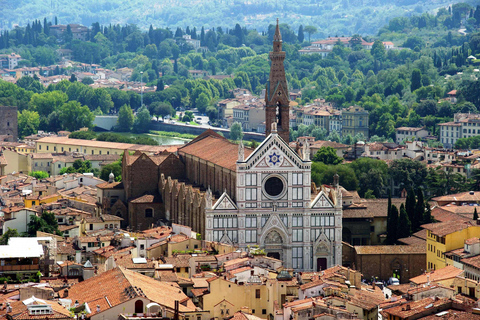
[[277, 101], [278, 35]]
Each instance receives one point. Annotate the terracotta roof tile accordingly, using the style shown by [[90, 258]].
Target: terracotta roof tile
[[215, 149], [448, 272], [390, 249]]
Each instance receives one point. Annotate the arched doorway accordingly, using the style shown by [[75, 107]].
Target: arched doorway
[[274, 245], [139, 306]]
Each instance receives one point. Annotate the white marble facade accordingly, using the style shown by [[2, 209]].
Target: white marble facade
[[275, 209]]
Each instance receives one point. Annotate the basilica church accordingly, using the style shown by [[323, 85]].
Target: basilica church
[[274, 204], [229, 193]]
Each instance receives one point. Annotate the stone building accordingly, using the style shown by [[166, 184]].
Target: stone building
[[8, 124], [273, 203]]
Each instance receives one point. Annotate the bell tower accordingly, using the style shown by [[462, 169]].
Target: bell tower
[[276, 94]]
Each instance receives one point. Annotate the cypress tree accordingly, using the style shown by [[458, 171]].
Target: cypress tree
[[392, 229], [410, 204], [419, 211], [404, 225], [475, 214], [301, 35]]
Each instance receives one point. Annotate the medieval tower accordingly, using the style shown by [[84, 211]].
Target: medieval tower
[[276, 94]]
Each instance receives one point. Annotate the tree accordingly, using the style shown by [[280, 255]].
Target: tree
[[404, 226], [39, 174], [142, 120], [327, 155], [87, 81], [378, 50], [30, 84], [300, 35], [115, 168], [45, 223], [416, 80], [10, 233], [475, 214], [162, 109], [408, 173], [73, 78], [201, 103], [310, 30], [392, 225], [410, 204], [74, 116], [236, 131], [28, 122], [125, 119], [419, 215]]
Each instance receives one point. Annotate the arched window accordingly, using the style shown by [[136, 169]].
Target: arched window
[[139, 306], [148, 213], [111, 226], [106, 225]]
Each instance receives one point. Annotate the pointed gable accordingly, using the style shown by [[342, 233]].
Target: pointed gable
[[321, 201], [274, 152], [224, 203]]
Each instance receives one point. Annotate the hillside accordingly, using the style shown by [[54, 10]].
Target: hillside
[[331, 17]]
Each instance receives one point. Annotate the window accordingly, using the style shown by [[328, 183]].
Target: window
[[297, 257], [257, 293], [297, 221], [222, 222], [59, 165], [92, 151], [142, 247], [251, 221], [297, 178], [250, 179], [297, 235], [250, 194], [297, 193], [250, 236], [148, 213], [91, 226], [47, 148], [264, 311]]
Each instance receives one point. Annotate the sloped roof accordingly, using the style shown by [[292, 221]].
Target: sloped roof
[[113, 284], [214, 148], [437, 275]]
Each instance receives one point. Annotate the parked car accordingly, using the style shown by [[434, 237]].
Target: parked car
[[393, 281]]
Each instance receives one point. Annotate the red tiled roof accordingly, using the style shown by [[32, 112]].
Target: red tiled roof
[[448, 272], [214, 148]]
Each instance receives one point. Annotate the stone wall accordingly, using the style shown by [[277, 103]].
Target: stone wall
[[383, 265], [9, 123], [183, 204]]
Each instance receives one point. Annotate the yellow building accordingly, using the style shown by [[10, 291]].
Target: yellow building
[[25, 148], [447, 236], [226, 297], [61, 144], [16, 162], [31, 201]]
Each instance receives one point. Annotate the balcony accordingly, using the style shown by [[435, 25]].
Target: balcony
[[16, 268]]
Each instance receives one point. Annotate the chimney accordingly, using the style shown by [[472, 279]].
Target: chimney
[[98, 308], [76, 304], [373, 285], [408, 307], [9, 307], [65, 293]]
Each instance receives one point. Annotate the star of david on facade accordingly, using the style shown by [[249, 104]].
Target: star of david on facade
[[274, 158]]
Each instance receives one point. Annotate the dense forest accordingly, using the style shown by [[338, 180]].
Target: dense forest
[[329, 16]]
